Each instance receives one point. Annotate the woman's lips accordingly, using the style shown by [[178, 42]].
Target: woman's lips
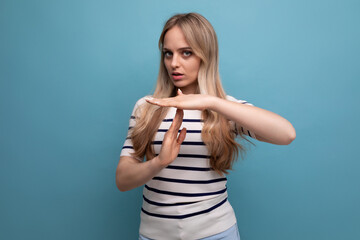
[[177, 77]]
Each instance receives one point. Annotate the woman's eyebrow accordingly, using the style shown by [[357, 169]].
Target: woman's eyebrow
[[183, 48]]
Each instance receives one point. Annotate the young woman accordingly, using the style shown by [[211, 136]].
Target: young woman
[[187, 130]]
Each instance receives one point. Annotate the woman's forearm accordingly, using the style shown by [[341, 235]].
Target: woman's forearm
[[131, 173], [263, 123]]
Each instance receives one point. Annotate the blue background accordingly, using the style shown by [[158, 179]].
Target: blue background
[[71, 72]]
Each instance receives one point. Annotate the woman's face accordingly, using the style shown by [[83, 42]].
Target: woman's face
[[181, 63]]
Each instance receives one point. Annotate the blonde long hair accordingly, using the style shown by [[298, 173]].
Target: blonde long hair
[[216, 133]]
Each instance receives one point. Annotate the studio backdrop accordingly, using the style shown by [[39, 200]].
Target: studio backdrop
[[71, 72]]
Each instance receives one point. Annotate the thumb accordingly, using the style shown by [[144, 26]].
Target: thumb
[[179, 92]]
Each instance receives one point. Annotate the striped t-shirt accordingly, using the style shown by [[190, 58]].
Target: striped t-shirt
[[187, 199]]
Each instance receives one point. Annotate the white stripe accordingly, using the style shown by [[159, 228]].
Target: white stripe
[[184, 209]]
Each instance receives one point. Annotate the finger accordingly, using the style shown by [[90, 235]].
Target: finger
[[149, 100], [152, 100], [178, 120], [175, 125], [163, 102], [182, 136]]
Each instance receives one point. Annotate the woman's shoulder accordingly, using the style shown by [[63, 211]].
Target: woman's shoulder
[[138, 105], [231, 98]]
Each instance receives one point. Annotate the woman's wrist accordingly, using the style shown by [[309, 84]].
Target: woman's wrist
[[213, 102], [156, 164]]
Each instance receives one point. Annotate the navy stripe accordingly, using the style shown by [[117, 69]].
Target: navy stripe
[[164, 130], [192, 143], [184, 120], [128, 138], [185, 215], [192, 131], [187, 131], [166, 204], [132, 117], [184, 194], [236, 131], [188, 168], [130, 128], [191, 156], [189, 181], [249, 133], [128, 147], [183, 143], [245, 102]]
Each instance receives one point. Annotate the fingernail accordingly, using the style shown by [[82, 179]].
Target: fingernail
[[179, 90]]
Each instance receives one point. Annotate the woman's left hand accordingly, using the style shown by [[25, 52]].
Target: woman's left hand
[[184, 101]]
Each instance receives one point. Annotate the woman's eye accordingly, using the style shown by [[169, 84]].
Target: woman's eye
[[187, 53], [167, 53]]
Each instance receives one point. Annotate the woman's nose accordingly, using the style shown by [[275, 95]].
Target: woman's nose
[[175, 61]]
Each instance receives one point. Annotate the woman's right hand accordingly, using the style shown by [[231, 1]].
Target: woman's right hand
[[171, 143]]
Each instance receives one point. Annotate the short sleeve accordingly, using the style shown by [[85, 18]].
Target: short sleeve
[[238, 128], [128, 148]]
